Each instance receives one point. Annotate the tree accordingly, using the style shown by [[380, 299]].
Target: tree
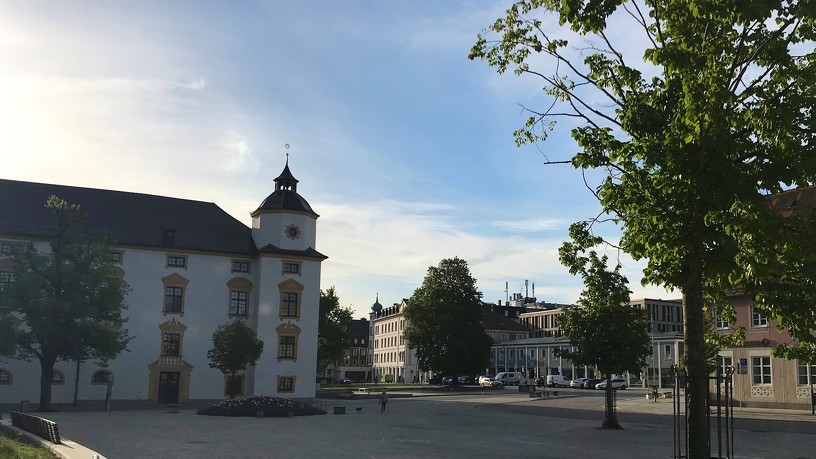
[[235, 347], [606, 331], [69, 299], [445, 321], [716, 115], [332, 326]]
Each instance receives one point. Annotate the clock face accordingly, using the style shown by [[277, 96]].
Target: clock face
[[292, 232]]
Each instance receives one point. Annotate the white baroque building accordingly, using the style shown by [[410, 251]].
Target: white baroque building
[[190, 266]]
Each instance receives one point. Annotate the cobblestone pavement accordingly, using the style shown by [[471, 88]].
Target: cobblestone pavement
[[497, 425]]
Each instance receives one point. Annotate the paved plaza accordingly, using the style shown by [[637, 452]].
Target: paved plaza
[[503, 424]]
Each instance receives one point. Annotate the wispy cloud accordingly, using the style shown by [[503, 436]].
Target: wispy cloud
[[531, 225]]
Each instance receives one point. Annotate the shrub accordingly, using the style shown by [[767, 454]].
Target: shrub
[[271, 406]]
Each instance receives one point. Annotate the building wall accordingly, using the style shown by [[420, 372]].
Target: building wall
[[391, 353], [206, 302], [788, 386]]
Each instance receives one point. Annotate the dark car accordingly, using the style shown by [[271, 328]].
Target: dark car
[[590, 383], [542, 381], [447, 380], [435, 379], [467, 380], [345, 382]]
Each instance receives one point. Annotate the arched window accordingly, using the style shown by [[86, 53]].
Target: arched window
[[101, 377], [5, 376], [57, 377]]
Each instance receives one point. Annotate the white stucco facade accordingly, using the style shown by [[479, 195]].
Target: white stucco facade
[[273, 286]]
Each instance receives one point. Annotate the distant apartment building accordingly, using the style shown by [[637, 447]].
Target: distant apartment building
[[502, 324], [393, 360], [664, 315], [355, 363], [543, 322]]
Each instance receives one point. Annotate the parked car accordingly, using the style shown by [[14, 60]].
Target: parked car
[[447, 380], [557, 381], [617, 383], [578, 383], [485, 381], [591, 383], [345, 382], [435, 379], [467, 380], [542, 381]]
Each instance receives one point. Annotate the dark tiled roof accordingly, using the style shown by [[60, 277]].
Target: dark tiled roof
[[796, 202], [124, 218], [275, 250], [497, 321], [358, 329], [285, 200]]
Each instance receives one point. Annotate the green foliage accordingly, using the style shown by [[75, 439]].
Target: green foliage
[[445, 321], [717, 113], [333, 323], [235, 347], [604, 329], [13, 448], [70, 298]]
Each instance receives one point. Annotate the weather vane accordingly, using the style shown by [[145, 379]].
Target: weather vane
[[287, 152]]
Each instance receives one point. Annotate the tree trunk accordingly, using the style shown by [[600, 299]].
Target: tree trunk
[[610, 418], [696, 367], [46, 378], [76, 382]]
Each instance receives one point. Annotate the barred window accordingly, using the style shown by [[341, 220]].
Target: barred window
[[101, 377], [286, 347], [286, 384], [171, 345]]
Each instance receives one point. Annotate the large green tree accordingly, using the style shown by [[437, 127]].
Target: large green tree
[[235, 347], [70, 299], [693, 133], [445, 321], [605, 330], [333, 323]]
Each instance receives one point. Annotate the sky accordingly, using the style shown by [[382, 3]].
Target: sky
[[402, 145]]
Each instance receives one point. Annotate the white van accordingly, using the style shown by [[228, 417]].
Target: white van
[[557, 381], [509, 378]]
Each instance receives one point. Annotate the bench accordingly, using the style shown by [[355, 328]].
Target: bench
[[667, 394], [172, 407], [40, 427]]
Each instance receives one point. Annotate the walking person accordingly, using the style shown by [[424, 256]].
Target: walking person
[[383, 401]]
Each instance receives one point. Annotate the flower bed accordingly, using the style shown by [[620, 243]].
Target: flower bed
[[269, 406]]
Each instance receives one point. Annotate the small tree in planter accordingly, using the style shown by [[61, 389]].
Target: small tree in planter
[[235, 346]]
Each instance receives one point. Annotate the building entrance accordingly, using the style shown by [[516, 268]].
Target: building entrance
[[169, 387]]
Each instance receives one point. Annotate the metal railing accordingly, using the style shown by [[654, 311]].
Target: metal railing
[[719, 413]]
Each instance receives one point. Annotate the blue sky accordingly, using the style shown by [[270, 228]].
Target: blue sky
[[401, 144]]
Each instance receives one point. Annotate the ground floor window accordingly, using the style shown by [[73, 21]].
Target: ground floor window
[[806, 373], [5, 376], [286, 384], [761, 370], [57, 377], [101, 377]]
